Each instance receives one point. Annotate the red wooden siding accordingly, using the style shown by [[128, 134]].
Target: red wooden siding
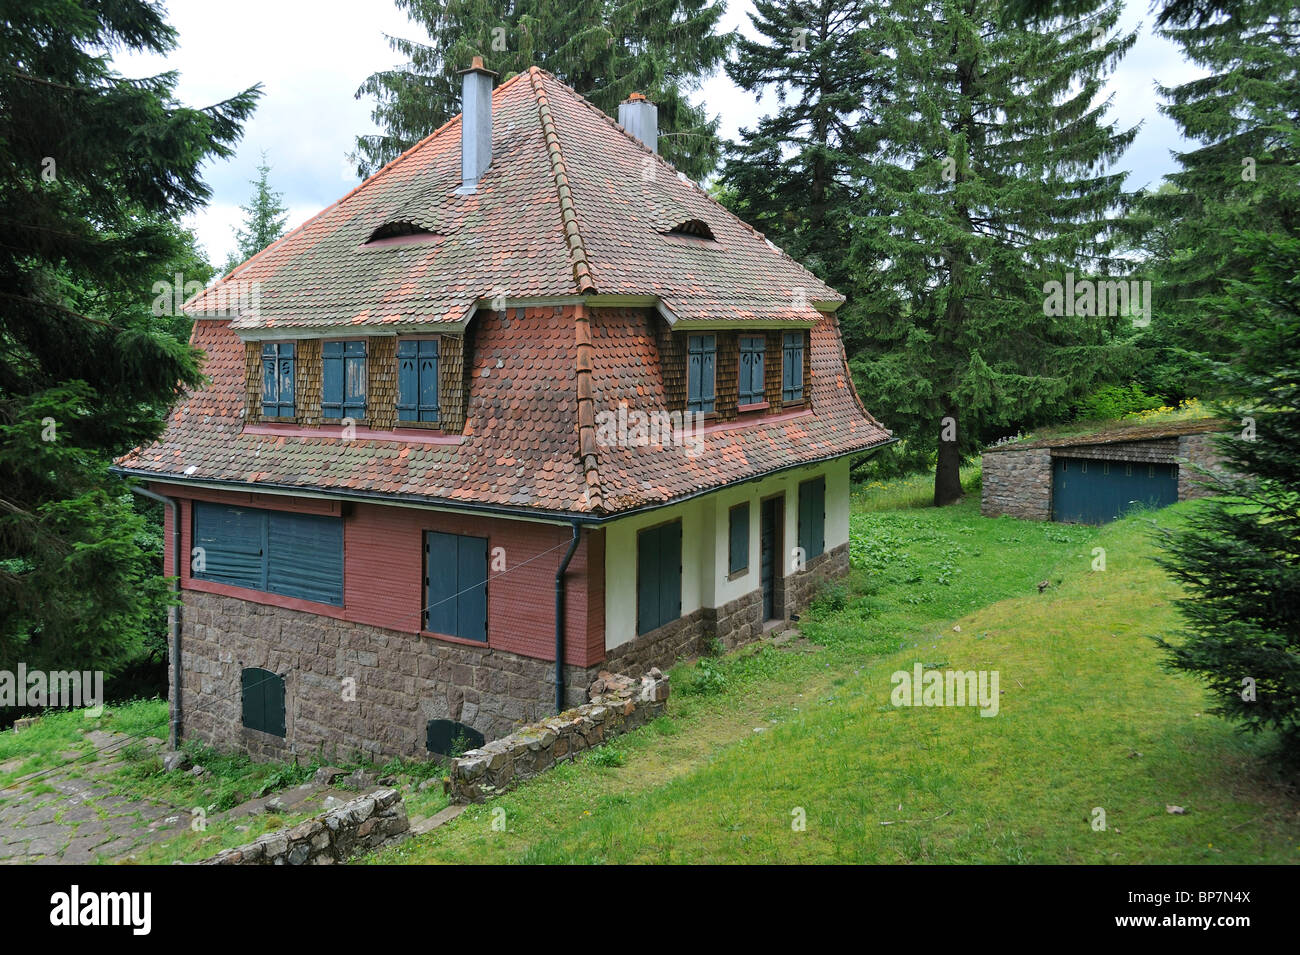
[[383, 572]]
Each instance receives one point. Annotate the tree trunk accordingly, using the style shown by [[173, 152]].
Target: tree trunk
[[947, 473]]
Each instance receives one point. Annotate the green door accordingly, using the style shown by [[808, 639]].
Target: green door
[[1094, 492]]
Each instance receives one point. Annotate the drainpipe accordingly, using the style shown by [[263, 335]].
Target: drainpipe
[[559, 621], [176, 611]]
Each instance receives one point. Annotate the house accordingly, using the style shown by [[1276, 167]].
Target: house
[[523, 406], [1096, 477]]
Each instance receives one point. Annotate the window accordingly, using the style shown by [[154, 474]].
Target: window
[[262, 695], [738, 539], [277, 379], [658, 576], [701, 355], [792, 367], [295, 555], [812, 517], [456, 569], [343, 385], [417, 380], [752, 349]]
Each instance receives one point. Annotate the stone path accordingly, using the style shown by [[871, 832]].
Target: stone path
[[67, 819]]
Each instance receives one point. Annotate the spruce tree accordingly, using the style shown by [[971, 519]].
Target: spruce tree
[[793, 176], [605, 50], [264, 218], [1238, 557], [985, 182], [90, 363]]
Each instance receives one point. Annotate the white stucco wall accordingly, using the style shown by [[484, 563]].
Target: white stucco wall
[[705, 541]]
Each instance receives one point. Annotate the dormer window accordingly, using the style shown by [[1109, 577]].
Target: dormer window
[[696, 228], [397, 233]]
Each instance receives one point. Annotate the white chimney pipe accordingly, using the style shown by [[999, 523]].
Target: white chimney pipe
[[475, 124], [640, 117]]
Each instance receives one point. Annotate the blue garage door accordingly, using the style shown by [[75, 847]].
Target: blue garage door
[[1094, 492]]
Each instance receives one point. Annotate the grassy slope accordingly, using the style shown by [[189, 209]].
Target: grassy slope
[[1088, 719]]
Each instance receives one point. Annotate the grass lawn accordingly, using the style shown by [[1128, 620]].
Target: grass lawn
[[760, 740]]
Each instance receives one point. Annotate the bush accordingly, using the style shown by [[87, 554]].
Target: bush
[[1115, 401]]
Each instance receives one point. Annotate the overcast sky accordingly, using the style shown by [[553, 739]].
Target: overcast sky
[[311, 55]]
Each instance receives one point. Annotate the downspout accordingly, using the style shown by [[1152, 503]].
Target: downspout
[[176, 610], [559, 621]]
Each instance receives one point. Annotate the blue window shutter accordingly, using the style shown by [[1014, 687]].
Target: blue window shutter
[[738, 539], [428, 389], [471, 588], [331, 405], [441, 561], [647, 581], [262, 695], [306, 557], [354, 380], [701, 356], [812, 517], [232, 539], [751, 369], [407, 382], [792, 346], [670, 572], [269, 381]]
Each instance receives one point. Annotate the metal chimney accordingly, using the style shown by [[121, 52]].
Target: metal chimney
[[640, 117], [475, 124]]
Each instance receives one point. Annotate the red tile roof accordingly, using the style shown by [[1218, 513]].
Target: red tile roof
[[571, 203], [562, 210]]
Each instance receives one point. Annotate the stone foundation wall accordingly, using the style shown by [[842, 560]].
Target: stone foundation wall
[[357, 691], [618, 705], [801, 588], [399, 681], [738, 622], [685, 637], [359, 826], [1017, 483]]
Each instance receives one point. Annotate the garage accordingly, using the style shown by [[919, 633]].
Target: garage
[[1096, 491], [1098, 476]]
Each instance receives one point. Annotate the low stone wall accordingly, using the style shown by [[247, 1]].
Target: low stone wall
[[359, 826], [683, 637], [737, 622], [618, 705], [1017, 483]]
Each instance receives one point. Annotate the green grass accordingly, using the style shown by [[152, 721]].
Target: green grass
[[766, 737], [48, 742], [915, 490]]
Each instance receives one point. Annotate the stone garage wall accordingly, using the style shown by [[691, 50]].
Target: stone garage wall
[[618, 705], [359, 826], [1018, 483], [1198, 451]]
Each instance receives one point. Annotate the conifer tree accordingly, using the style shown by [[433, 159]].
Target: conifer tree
[[794, 174], [606, 50], [90, 366], [264, 218], [985, 182]]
